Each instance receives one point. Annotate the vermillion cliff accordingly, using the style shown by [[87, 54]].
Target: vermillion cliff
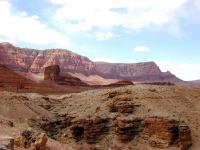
[[34, 61]]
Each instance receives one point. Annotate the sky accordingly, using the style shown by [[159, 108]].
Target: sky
[[118, 31]]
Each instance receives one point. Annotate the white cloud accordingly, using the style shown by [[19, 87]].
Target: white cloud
[[76, 15], [104, 36], [185, 71], [141, 49], [19, 27]]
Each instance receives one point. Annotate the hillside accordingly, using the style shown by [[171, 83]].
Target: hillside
[[108, 112]]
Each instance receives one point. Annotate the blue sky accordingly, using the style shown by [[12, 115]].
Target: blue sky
[[129, 31]]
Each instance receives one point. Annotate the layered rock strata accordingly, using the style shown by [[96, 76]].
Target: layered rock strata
[[91, 130]]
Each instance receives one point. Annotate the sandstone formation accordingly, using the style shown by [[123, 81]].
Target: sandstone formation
[[91, 130], [52, 73], [159, 132], [122, 106], [35, 61], [163, 133], [52, 126], [127, 128]]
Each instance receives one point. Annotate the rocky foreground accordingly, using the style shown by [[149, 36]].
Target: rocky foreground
[[134, 117]]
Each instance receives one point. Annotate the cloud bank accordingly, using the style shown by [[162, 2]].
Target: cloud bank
[[20, 27], [132, 14]]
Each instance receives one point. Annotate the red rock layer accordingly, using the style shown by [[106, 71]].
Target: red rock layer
[[122, 106], [127, 128], [91, 130], [163, 133]]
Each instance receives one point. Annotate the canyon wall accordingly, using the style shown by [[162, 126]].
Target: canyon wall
[[35, 61]]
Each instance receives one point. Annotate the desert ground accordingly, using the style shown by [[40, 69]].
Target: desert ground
[[51, 113]]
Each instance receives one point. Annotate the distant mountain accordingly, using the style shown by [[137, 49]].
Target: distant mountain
[[34, 61]]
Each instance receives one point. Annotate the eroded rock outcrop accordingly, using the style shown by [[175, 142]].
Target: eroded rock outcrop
[[123, 105], [91, 130], [52, 73], [52, 126], [127, 128], [163, 133]]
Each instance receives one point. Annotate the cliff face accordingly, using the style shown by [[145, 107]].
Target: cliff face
[[137, 72], [35, 61], [67, 60], [17, 59]]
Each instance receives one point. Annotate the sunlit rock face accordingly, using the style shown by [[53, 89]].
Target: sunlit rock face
[[35, 61]]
